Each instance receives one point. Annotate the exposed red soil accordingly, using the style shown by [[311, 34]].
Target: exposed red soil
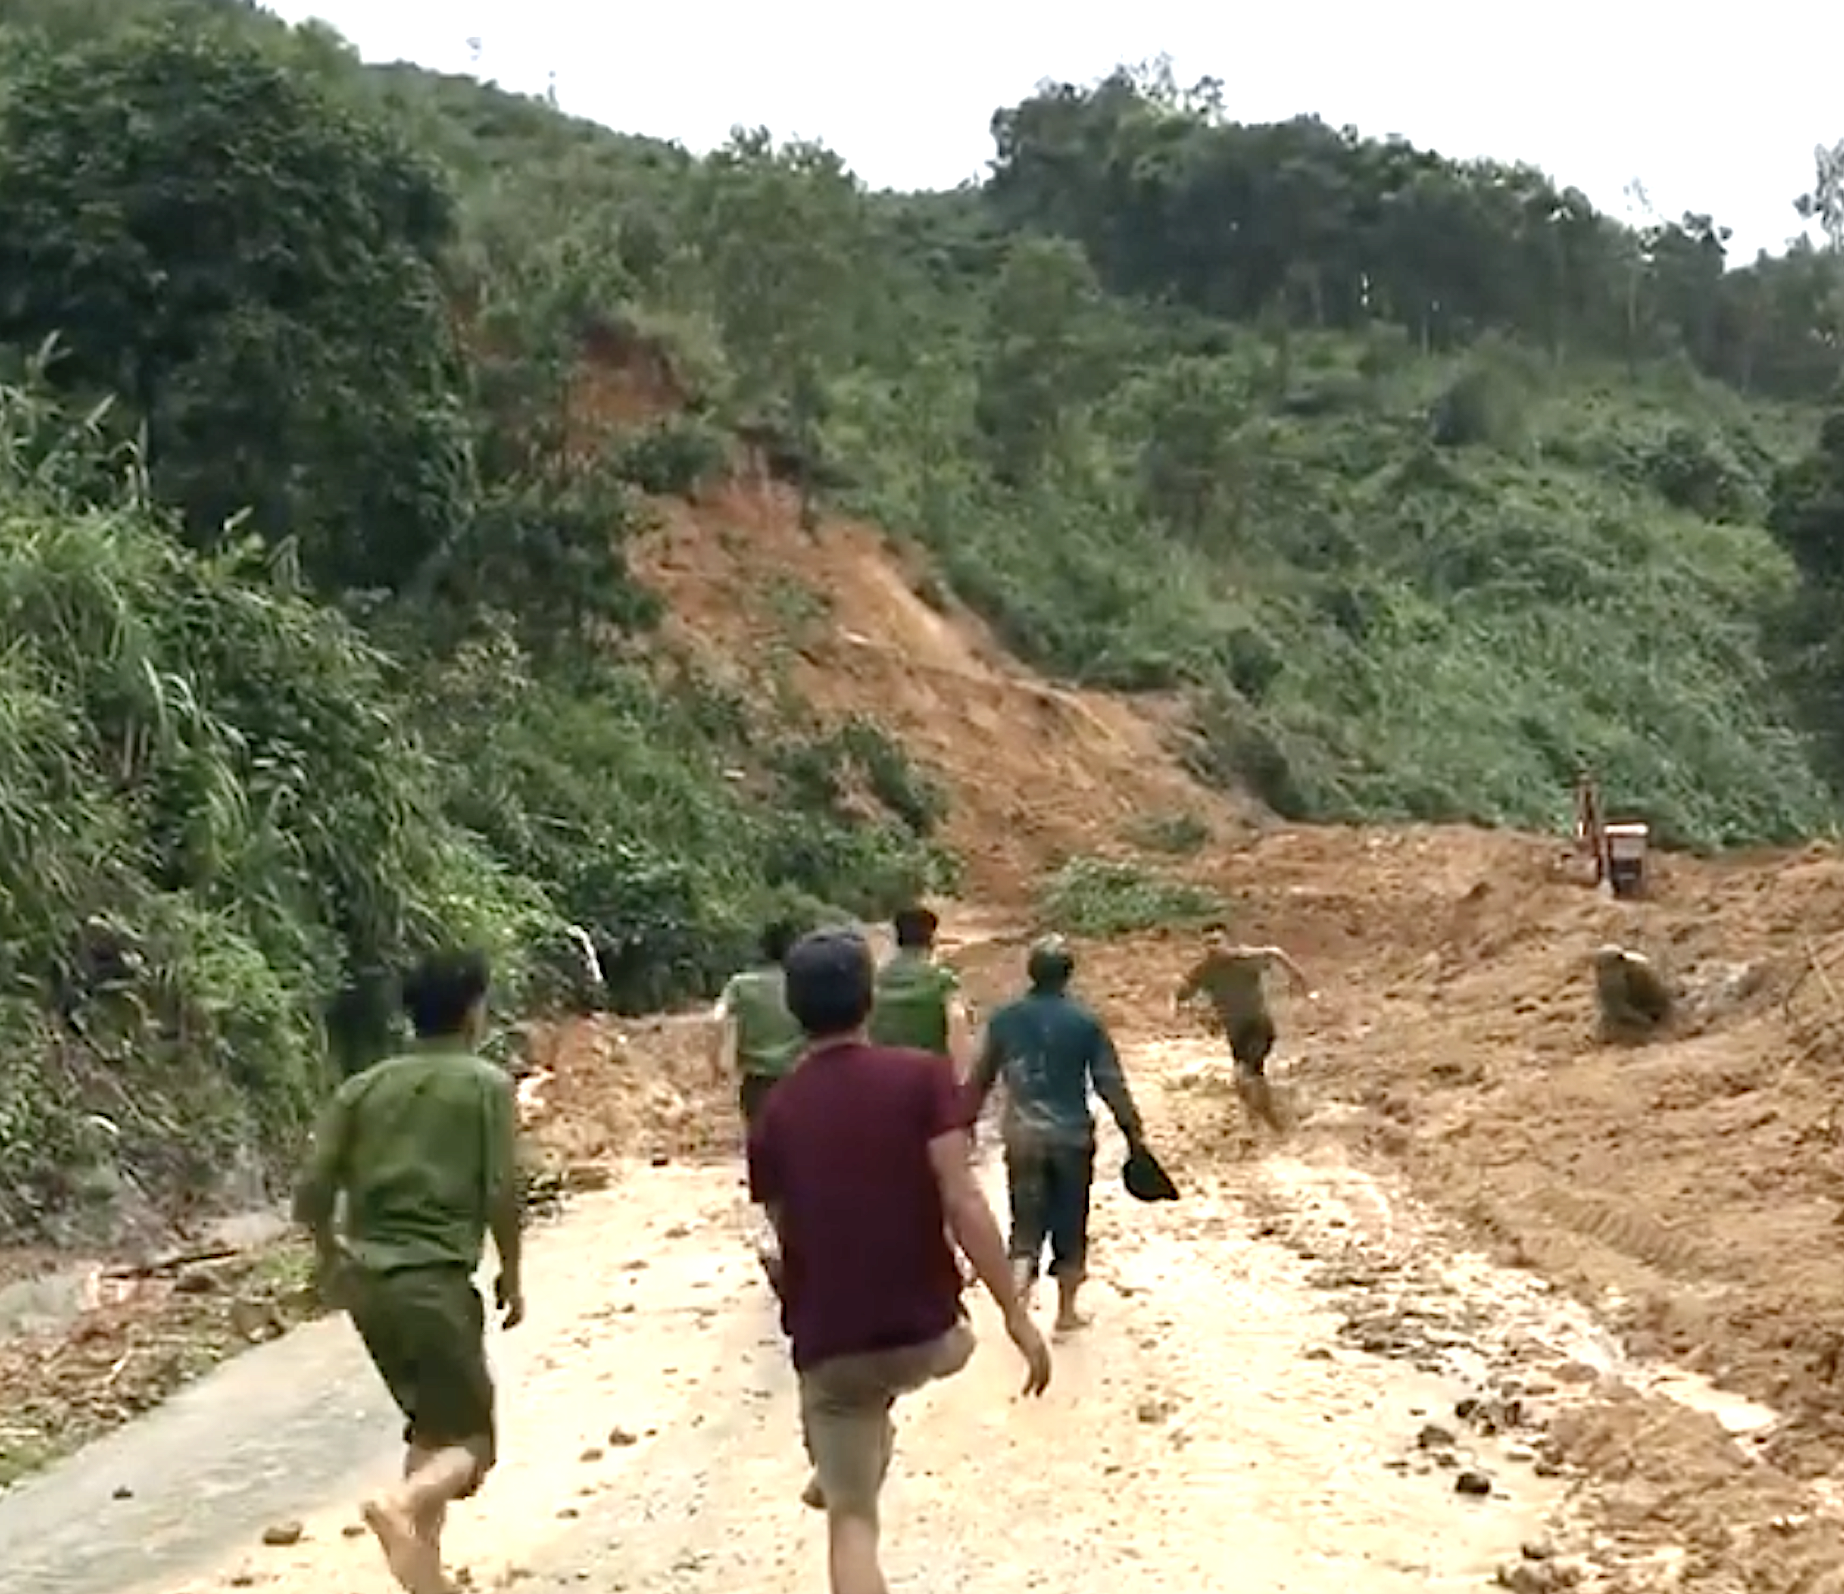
[[1037, 771]]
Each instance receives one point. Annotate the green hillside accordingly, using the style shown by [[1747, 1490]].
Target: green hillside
[[1421, 482]]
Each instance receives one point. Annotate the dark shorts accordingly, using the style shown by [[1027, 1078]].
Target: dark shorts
[[751, 1094], [1250, 1043], [1049, 1188], [425, 1328]]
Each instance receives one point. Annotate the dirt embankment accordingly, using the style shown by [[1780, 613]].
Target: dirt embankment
[[1037, 771], [1687, 1190]]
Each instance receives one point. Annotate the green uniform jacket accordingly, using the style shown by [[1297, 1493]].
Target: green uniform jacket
[[914, 994], [768, 1041], [424, 1148]]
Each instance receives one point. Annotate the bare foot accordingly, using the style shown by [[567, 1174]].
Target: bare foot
[[413, 1560], [1071, 1322], [813, 1496]]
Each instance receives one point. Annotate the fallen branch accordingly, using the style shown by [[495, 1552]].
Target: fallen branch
[[173, 1264]]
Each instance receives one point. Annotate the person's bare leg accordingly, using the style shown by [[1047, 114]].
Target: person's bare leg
[[1252, 1088], [407, 1522], [1261, 1096], [1024, 1276], [814, 1495], [1068, 1287], [852, 1554], [434, 1517]]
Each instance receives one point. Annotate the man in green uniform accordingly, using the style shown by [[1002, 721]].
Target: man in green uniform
[[757, 1041], [1051, 1049], [1234, 979], [918, 1002], [423, 1149]]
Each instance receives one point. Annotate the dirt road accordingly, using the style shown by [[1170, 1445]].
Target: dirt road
[[1211, 1420]]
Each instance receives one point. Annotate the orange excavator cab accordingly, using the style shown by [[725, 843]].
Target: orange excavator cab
[[1616, 853]]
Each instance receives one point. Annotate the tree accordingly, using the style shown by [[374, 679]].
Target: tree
[[782, 233], [252, 266], [1825, 204], [1326, 227], [1189, 412], [1808, 508], [1043, 354]]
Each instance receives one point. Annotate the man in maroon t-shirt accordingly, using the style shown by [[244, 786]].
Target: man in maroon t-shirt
[[861, 1158]]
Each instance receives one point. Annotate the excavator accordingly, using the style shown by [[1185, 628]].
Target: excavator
[[1615, 852]]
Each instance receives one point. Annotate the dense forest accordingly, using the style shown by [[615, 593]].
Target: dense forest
[[1419, 481]]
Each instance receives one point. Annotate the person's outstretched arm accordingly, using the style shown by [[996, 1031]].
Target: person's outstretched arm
[[1190, 986], [1111, 1086], [764, 1172], [961, 1026], [723, 1034], [988, 1064], [1294, 972]]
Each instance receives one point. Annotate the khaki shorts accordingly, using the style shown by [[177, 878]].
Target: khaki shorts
[[845, 1414]]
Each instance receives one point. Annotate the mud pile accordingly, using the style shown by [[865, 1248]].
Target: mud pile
[[1689, 1188], [612, 1090]]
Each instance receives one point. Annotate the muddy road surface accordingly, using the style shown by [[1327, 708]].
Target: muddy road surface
[[1212, 1425]]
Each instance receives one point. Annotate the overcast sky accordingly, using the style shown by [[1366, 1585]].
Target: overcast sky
[[1714, 109]]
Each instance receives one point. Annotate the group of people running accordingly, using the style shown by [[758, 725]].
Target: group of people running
[[862, 1088]]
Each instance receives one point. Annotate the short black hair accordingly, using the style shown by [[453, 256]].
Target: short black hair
[[831, 978], [777, 939], [441, 989], [1050, 965], [915, 926]]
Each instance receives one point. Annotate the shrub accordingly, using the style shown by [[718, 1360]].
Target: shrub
[[674, 457], [1104, 897], [1178, 834]]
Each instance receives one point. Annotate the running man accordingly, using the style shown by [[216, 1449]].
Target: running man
[[918, 1002], [1234, 979], [423, 1147], [756, 1041], [1050, 1049], [861, 1157]]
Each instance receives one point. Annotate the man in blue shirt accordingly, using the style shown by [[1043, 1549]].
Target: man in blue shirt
[[1050, 1049]]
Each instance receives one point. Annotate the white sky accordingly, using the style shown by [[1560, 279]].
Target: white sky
[[1710, 107]]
